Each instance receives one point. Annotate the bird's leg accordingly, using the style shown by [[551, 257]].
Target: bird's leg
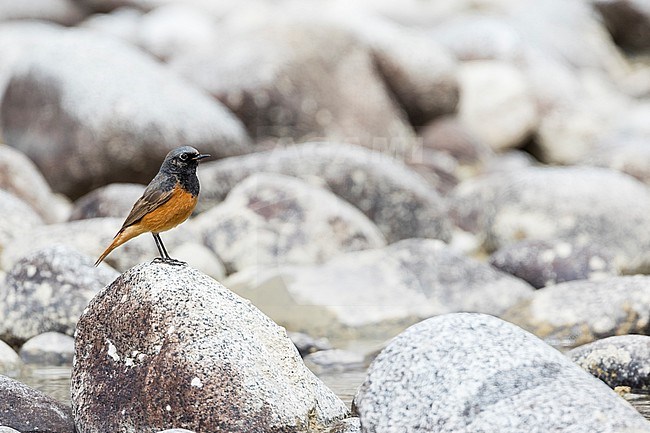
[[164, 255]]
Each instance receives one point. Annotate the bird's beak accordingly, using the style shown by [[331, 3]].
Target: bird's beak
[[201, 156]]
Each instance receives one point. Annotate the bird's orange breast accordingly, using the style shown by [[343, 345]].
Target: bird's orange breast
[[171, 213]]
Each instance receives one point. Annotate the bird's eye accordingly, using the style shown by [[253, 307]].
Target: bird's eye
[[183, 156]]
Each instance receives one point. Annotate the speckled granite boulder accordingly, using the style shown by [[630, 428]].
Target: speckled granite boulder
[[114, 200], [166, 346], [618, 361], [348, 425], [9, 359], [578, 312], [579, 205], [106, 112], [475, 373], [271, 219], [401, 203], [48, 348], [544, 263], [377, 293], [28, 410], [47, 291], [91, 237], [16, 217], [20, 177]]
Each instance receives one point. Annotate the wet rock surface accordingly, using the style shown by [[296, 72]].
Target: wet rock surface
[[379, 292], [618, 361], [47, 291], [167, 346], [271, 219], [396, 199], [28, 410], [471, 372]]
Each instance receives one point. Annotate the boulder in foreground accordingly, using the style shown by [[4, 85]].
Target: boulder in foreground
[[167, 347]]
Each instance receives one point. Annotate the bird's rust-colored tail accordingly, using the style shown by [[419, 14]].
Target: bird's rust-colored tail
[[121, 237]]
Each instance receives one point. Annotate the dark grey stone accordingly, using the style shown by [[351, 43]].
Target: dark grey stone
[[29, 411], [621, 360], [544, 263], [476, 373], [165, 346]]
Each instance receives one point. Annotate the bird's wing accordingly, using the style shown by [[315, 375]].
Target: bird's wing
[[152, 198]]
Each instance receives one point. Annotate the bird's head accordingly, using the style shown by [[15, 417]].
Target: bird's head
[[182, 158]]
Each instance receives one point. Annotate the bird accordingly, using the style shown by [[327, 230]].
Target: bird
[[167, 201]]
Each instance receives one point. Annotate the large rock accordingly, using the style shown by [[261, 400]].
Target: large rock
[[271, 219], [376, 293], [16, 218], [114, 200], [299, 82], [165, 346], [47, 291], [578, 312], [399, 201], [20, 177], [105, 112], [577, 205], [628, 21], [496, 103], [91, 237], [617, 361], [476, 373], [28, 410]]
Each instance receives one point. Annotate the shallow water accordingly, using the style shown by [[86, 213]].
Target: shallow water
[[55, 381]]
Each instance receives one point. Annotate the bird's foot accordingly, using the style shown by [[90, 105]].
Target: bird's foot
[[169, 261]]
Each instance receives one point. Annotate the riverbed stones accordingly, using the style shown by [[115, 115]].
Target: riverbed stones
[[114, 200], [475, 373], [65, 12], [578, 312], [9, 359], [16, 217], [298, 81], [107, 113], [47, 291], [496, 103], [272, 219], [400, 202], [91, 237], [28, 410], [621, 360], [628, 21], [48, 348], [166, 346], [579, 205], [20, 177], [377, 293], [543, 263]]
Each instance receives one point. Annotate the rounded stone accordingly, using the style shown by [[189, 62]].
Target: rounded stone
[[9, 359], [114, 200], [48, 348], [473, 372], [272, 220], [621, 360], [47, 291]]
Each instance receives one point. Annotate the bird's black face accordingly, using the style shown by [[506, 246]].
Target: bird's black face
[[183, 158]]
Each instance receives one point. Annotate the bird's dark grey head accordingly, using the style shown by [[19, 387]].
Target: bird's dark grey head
[[182, 158]]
